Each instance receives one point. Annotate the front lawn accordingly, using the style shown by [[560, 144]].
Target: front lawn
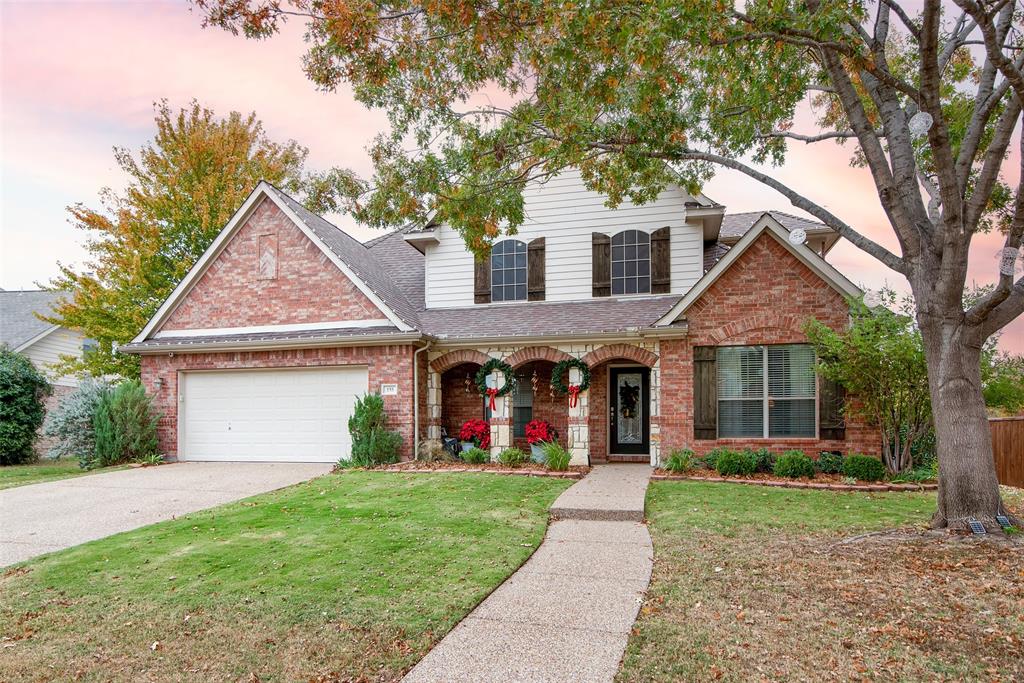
[[351, 576], [754, 584], [40, 471]]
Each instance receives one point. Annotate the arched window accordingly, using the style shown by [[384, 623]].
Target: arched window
[[631, 262], [508, 271]]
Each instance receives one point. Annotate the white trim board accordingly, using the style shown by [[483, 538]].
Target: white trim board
[[262, 191], [765, 224], [257, 329], [42, 335]]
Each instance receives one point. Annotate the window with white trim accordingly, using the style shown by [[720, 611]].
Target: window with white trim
[[766, 391], [508, 271], [631, 262]]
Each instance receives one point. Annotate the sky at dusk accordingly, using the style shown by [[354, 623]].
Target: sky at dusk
[[78, 78]]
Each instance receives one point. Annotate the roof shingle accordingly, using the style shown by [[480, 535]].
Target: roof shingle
[[18, 320]]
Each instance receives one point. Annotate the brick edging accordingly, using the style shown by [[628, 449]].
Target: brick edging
[[484, 470], [870, 488]]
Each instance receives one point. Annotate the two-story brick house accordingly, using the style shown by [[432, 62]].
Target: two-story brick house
[[689, 320]]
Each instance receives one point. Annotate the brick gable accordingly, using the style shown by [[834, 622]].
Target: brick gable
[[270, 273]]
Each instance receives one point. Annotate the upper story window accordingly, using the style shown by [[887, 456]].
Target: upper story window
[[631, 262], [508, 271]]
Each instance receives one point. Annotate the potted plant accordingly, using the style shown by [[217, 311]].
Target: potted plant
[[539, 432], [475, 434]]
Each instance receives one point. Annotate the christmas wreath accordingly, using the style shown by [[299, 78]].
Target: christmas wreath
[[561, 370], [492, 392]]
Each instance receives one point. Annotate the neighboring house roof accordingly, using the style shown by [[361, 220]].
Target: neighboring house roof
[[770, 225], [546, 318], [19, 324]]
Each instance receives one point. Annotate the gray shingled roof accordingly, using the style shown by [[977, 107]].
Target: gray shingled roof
[[18, 321], [403, 262], [735, 225], [340, 334], [356, 256], [546, 318]]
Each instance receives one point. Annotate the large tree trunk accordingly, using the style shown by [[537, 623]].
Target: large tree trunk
[[968, 487]]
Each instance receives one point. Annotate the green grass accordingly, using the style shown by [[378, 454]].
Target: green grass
[[350, 576], [36, 472], [754, 584]]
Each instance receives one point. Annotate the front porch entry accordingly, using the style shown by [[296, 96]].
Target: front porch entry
[[629, 419]]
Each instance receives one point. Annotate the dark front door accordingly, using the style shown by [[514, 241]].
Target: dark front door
[[629, 412]]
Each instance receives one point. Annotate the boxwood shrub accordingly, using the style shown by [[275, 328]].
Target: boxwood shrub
[[764, 460], [736, 462], [864, 467], [830, 463], [512, 457], [794, 464], [710, 460]]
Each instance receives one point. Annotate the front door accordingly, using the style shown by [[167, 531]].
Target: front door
[[630, 401]]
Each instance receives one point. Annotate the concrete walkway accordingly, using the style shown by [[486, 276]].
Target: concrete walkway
[[40, 518], [567, 613]]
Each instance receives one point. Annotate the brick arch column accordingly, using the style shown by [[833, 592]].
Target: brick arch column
[[789, 325], [628, 351], [454, 358], [528, 354]]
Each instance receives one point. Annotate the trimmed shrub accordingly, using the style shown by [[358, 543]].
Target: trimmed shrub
[[124, 426], [764, 460], [71, 422], [710, 460], [736, 462], [794, 464], [476, 456], [926, 472], [556, 457], [680, 461], [22, 392], [829, 463], [864, 468], [372, 443], [512, 457]]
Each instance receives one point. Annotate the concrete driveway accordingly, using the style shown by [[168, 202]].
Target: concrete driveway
[[40, 518]]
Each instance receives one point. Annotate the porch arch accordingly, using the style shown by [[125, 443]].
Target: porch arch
[[454, 358], [629, 351], [784, 328], [534, 353]]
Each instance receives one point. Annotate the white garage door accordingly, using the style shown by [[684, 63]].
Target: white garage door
[[293, 415]]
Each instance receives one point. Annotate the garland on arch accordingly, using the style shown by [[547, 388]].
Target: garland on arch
[[561, 370], [492, 392]]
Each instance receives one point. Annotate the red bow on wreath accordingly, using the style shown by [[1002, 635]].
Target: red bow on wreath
[[492, 392], [574, 395]]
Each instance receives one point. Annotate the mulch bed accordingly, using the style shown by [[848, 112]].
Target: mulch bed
[[827, 482], [574, 472]]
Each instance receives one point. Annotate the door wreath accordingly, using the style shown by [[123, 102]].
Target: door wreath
[[492, 392], [561, 369]]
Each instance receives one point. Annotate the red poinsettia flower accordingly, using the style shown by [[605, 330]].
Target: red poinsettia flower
[[477, 431], [538, 431]]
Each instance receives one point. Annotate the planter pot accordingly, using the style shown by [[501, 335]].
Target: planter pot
[[537, 453], [467, 445]]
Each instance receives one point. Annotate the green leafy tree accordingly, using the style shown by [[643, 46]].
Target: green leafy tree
[[641, 93], [881, 362], [182, 189], [23, 390], [1003, 379]]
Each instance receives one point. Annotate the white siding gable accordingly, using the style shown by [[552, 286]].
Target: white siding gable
[[565, 213], [49, 349]]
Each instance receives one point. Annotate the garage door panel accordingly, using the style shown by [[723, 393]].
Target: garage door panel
[[269, 415]]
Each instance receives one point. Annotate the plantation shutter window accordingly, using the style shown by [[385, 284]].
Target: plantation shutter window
[[767, 391]]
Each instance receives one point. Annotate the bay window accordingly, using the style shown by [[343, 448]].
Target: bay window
[[766, 391]]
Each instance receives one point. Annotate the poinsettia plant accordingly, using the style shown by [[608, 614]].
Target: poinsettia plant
[[477, 431], [539, 431]]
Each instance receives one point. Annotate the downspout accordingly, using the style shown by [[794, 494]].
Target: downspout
[[416, 400]]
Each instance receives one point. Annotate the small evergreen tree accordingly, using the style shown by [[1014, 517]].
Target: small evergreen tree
[[124, 425], [71, 423], [23, 389], [372, 443]]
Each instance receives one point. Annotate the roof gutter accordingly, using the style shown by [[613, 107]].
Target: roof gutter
[[675, 331], [146, 348]]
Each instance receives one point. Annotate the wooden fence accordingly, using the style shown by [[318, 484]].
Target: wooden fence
[[1008, 449]]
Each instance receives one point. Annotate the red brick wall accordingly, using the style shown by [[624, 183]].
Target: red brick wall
[[457, 406], [597, 406], [386, 364], [308, 287], [551, 409], [764, 298]]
